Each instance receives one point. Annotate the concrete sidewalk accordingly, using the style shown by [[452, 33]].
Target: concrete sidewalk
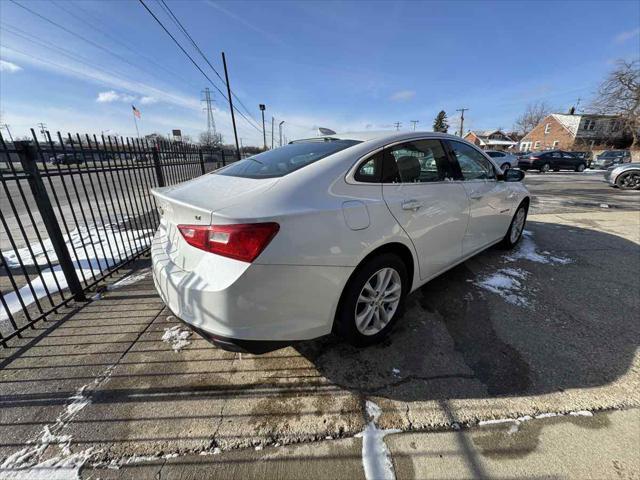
[[99, 385]]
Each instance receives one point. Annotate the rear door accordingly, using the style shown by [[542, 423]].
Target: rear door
[[433, 209], [489, 202]]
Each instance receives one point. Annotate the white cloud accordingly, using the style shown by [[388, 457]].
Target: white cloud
[[9, 67], [627, 35], [113, 96], [403, 95], [148, 100]]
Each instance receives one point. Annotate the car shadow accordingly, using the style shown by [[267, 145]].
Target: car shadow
[[576, 327]]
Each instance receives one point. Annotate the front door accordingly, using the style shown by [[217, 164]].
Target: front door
[[422, 196], [489, 206]]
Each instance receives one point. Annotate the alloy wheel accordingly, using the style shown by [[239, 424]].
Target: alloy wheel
[[378, 301], [518, 225], [629, 180]]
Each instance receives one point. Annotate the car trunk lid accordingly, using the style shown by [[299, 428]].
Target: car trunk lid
[[194, 203]]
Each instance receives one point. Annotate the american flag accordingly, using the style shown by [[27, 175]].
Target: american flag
[[136, 112]]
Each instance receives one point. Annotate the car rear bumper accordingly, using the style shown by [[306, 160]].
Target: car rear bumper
[[256, 303]]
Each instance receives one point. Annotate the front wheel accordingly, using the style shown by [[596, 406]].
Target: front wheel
[[516, 228], [629, 181], [372, 300], [545, 168], [505, 166]]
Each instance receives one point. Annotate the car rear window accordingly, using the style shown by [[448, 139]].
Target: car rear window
[[284, 160]]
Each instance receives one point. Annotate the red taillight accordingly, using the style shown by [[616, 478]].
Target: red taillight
[[241, 241]]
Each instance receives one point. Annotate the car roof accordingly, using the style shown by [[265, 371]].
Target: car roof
[[385, 136]]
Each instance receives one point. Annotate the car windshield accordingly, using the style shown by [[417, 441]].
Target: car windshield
[[284, 160], [611, 154]]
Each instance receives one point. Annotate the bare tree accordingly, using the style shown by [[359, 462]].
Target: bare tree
[[211, 140], [532, 116], [619, 94]]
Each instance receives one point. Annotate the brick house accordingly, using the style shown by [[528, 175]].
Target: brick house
[[573, 132], [490, 139]]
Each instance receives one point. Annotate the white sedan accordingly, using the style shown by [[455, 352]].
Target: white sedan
[[327, 234]]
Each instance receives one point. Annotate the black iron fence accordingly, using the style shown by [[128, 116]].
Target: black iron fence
[[73, 210]]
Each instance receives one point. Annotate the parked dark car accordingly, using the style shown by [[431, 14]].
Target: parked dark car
[[586, 156], [612, 157], [555, 160], [66, 159]]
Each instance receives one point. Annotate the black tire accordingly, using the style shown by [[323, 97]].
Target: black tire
[[505, 166], [506, 242], [628, 181], [545, 168], [344, 324], [556, 169], [581, 167]]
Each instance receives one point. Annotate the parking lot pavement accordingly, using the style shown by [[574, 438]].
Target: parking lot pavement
[[548, 328]]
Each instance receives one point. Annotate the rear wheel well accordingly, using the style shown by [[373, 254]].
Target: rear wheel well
[[398, 249], [526, 201], [402, 251]]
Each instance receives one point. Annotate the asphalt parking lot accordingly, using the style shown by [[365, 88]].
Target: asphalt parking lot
[[118, 389]]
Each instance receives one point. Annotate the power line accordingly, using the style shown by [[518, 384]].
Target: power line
[[177, 22], [191, 59], [119, 42]]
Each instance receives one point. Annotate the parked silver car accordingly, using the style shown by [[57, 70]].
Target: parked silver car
[[625, 177], [504, 159]]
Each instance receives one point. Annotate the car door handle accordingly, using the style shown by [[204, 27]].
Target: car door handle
[[411, 205]]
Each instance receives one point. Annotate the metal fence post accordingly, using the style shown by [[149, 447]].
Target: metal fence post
[[201, 159], [222, 155], [158, 167], [28, 159]]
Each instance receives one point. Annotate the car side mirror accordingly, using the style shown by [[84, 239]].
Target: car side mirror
[[512, 175]]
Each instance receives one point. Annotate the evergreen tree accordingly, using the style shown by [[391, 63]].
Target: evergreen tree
[[440, 124]]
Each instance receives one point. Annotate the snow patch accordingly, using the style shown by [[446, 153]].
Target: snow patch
[[131, 279], [92, 251], [526, 250], [506, 282], [516, 422], [26, 463], [376, 458], [176, 337]]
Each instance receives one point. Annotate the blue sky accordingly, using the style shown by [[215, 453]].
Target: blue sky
[[343, 65]]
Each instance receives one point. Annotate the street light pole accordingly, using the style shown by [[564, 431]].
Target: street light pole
[[264, 133], [280, 131], [273, 120]]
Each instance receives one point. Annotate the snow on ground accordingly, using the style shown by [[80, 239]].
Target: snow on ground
[[508, 283], [526, 250], [176, 337], [27, 463], [516, 422], [93, 250], [376, 458]]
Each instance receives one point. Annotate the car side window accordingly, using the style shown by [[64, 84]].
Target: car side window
[[473, 165], [420, 161], [369, 170]]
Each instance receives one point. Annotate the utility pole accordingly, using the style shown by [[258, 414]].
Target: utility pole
[[280, 130], [264, 132], [461, 110], [414, 122], [43, 130], [397, 125], [233, 117], [273, 121], [240, 146], [211, 123]]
